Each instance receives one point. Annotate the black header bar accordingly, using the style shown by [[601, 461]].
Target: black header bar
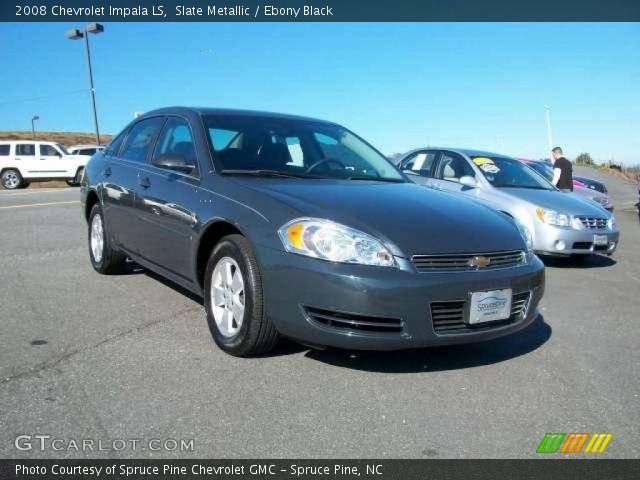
[[319, 10], [260, 469]]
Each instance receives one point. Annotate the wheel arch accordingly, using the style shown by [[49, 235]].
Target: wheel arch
[[92, 199], [212, 234]]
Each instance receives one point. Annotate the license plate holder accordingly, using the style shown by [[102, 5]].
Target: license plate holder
[[490, 306], [600, 240]]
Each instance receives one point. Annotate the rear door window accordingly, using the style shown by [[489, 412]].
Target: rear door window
[[114, 145], [420, 163], [26, 149], [141, 135]]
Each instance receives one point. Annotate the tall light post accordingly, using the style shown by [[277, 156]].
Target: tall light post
[[77, 34], [547, 112], [33, 125]]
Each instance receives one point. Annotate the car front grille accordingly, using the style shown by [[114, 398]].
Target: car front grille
[[468, 261], [449, 316], [593, 222], [356, 322]]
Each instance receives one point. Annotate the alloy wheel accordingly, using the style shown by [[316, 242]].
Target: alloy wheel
[[227, 296], [97, 238], [10, 180]]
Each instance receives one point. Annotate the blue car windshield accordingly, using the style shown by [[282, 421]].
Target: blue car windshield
[[246, 144], [503, 172]]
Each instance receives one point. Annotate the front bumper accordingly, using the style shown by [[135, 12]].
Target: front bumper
[[292, 283], [550, 240]]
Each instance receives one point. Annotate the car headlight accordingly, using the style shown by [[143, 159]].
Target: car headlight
[[551, 217], [526, 234], [611, 223], [602, 200], [327, 240]]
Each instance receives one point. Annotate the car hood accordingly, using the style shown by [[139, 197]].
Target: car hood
[[409, 218], [564, 202]]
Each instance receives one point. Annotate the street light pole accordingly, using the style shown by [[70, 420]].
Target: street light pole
[[93, 91], [33, 125], [76, 34], [547, 110]]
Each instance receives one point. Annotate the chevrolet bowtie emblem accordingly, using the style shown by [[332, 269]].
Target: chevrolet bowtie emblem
[[479, 262]]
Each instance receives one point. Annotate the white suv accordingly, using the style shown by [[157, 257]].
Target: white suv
[[24, 161], [87, 150]]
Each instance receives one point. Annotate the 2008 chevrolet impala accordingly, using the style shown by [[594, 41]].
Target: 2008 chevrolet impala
[[297, 227]]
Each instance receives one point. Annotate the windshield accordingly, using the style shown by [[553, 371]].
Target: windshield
[[296, 148], [543, 169], [62, 149], [502, 172]]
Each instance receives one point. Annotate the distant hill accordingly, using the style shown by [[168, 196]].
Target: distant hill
[[65, 138]]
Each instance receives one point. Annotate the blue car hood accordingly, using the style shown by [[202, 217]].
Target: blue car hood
[[409, 218]]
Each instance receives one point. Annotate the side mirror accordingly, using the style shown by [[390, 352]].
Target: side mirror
[[173, 161], [468, 181]]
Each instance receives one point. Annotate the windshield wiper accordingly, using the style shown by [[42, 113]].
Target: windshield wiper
[[376, 179], [266, 173]]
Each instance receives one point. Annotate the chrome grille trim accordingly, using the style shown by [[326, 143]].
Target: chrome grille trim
[[461, 261], [449, 317], [593, 223]]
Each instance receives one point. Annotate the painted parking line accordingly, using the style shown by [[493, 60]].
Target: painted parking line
[[10, 193], [39, 204]]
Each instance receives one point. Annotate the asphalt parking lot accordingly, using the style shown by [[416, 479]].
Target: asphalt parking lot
[[130, 356]]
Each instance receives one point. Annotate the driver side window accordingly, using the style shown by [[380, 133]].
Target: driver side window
[[453, 166], [175, 139]]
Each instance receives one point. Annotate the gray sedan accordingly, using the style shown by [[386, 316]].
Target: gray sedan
[[559, 223], [296, 227]]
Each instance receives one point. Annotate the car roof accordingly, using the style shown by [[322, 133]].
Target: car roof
[[465, 151], [86, 146], [230, 112], [29, 140]]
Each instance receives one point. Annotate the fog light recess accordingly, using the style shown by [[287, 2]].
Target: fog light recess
[[560, 245]]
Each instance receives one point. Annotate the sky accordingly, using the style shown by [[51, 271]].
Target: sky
[[400, 86]]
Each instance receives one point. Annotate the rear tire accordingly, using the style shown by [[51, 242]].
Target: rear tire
[[234, 300], [11, 179], [104, 258]]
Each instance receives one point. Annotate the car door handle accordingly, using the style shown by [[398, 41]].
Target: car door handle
[[145, 182], [106, 172], [43, 159]]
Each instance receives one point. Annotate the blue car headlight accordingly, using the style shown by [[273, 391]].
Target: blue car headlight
[[327, 240]]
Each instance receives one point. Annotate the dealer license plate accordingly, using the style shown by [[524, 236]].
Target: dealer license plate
[[490, 306], [599, 240]]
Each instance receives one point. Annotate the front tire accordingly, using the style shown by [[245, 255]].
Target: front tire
[[234, 300], [11, 179], [104, 258]]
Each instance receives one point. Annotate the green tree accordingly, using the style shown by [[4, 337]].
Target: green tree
[[584, 159]]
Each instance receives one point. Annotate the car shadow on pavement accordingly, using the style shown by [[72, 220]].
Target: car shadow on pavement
[[585, 261], [440, 358]]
